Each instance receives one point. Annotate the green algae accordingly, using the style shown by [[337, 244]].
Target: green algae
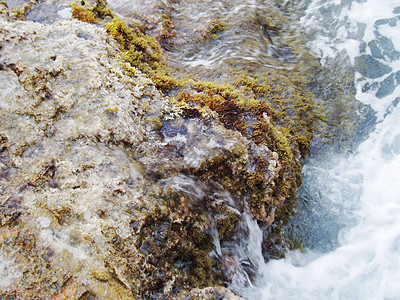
[[227, 225], [215, 28], [83, 14], [143, 52], [137, 48], [19, 13], [234, 106], [168, 31], [89, 12], [175, 247]]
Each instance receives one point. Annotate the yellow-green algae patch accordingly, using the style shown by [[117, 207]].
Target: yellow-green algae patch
[[19, 13], [137, 48], [253, 116]]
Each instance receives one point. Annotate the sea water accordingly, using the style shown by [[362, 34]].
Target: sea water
[[351, 198]]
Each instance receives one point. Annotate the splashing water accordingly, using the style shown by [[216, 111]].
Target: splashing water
[[247, 252], [365, 264]]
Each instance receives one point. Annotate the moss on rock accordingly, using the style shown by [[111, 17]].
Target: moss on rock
[[137, 48]]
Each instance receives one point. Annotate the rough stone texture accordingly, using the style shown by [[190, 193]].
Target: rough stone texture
[[109, 189]]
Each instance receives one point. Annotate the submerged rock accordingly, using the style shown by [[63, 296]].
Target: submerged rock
[[386, 87], [370, 67]]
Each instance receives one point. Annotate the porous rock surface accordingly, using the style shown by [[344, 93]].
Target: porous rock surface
[[103, 180]]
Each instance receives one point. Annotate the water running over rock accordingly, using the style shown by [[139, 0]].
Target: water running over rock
[[124, 178], [111, 188]]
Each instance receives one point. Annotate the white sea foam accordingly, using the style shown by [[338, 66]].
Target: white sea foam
[[348, 26]]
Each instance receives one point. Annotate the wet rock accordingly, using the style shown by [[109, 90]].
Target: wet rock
[[94, 202], [375, 51], [112, 189], [386, 87], [62, 118], [370, 67]]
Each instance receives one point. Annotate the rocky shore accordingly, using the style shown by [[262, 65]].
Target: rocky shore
[[112, 188]]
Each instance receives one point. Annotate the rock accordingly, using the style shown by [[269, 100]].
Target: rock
[[386, 87], [375, 51], [370, 67], [111, 189], [108, 188], [60, 122]]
